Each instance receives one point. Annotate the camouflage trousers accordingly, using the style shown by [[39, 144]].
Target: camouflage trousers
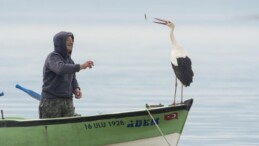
[[56, 107]]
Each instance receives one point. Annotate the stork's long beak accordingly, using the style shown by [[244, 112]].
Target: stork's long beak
[[160, 21]]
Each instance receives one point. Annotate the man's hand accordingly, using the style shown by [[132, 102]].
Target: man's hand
[[88, 64], [78, 93]]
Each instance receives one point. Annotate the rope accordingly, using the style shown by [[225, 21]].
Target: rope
[[158, 127]]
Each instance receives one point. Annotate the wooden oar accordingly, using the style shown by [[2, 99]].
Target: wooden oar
[[2, 94], [29, 92]]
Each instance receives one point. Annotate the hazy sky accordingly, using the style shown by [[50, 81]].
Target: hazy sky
[[119, 11], [29, 26], [21, 17]]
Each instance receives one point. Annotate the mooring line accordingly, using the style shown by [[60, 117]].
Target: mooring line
[[158, 127]]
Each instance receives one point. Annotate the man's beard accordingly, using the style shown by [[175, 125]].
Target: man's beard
[[69, 52]]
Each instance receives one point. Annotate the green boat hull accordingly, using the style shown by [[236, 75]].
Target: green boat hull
[[126, 128]]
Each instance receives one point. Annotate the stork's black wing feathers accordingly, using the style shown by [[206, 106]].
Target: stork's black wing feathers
[[184, 70]]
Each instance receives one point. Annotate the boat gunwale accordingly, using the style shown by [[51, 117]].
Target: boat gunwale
[[68, 120]]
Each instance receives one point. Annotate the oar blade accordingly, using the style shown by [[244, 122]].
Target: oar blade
[[29, 92]]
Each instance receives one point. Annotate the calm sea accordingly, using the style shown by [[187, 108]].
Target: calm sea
[[132, 68]]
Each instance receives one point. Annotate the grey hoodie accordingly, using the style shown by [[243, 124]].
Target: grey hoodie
[[59, 79]]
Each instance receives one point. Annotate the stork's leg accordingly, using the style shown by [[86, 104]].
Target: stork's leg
[[175, 88], [182, 94]]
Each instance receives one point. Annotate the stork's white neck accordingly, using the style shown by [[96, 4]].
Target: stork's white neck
[[177, 50], [174, 42]]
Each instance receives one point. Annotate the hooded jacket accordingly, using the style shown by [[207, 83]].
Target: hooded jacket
[[59, 79]]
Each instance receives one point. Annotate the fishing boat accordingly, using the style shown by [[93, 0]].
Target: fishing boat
[[154, 125]]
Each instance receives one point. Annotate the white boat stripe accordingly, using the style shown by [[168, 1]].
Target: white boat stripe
[[154, 141]]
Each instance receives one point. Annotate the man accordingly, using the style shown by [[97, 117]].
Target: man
[[59, 79]]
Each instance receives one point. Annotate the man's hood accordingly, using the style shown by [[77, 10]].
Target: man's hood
[[60, 43]]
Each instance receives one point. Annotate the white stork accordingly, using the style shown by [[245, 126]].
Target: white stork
[[180, 61]]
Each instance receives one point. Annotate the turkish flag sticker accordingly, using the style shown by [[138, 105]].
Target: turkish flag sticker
[[171, 116]]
